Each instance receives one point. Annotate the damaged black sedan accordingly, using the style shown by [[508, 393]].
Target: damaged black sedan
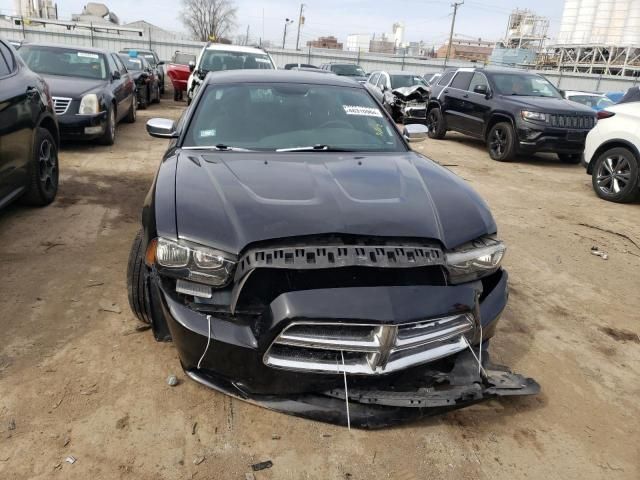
[[301, 257]]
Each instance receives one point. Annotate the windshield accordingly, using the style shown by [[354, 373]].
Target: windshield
[[217, 60], [132, 64], [67, 62], [524, 85], [244, 116], [596, 102], [399, 81], [348, 70]]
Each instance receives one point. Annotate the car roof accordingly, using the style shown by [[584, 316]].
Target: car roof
[[80, 48], [233, 48], [279, 76], [401, 72]]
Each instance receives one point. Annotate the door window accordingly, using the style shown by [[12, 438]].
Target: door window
[[112, 64], [374, 78], [6, 60], [478, 79], [444, 80], [121, 68], [462, 80]]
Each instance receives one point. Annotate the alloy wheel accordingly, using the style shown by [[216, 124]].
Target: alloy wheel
[[47, 165], [614, 174], [498, 142], [432, 124]]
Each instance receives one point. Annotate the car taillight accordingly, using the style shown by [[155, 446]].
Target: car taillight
[[602, 114]]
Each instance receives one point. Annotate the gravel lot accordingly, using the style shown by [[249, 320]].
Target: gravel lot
[[77, 378]]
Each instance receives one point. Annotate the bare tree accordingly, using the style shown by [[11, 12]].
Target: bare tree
[[208, 19]]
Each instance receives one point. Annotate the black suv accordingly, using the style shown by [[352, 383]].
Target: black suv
[[514, 112], [28, 134]]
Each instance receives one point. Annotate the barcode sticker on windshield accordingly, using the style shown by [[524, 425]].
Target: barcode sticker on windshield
[[208, 133], [362, 111], [88, 55]]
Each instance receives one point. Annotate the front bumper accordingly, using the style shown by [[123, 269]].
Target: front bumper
[[533, 137], [82, 127], [235, 361]]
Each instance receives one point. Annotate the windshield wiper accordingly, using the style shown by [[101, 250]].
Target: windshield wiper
[[220, 147], [315, 148]]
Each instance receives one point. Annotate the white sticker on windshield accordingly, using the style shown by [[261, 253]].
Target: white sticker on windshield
[[208, 133], [362, 111], [88, 55]]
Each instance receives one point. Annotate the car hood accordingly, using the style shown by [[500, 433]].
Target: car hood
[[232, 199], [72, 87], [547, 104]]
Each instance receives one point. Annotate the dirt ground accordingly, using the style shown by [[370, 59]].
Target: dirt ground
[[77, 378]]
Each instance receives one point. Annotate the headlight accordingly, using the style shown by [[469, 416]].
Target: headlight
[[539, 116], [89, 105], [192, 262], [475, 260]]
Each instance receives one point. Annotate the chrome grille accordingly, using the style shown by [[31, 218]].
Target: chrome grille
[[61, 105], [571, 121], [368, 349]]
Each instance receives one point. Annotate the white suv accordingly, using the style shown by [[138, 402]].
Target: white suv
[[216, 57], [612, 153]]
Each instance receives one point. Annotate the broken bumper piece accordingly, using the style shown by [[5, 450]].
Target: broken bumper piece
[[427, 393]]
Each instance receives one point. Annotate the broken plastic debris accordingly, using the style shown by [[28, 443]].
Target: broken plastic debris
[[172, 380], [596, 251], [256, 467], [199, 460], [70, 459]]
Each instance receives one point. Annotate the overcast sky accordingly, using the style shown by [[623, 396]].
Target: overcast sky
[[427, 20]]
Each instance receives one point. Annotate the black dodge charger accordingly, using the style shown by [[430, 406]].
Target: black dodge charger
[[303, 258]]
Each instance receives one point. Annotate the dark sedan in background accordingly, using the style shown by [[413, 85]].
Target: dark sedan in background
[[91, 88], [154, 60], [28, 134], [145, 78], [315, 259]]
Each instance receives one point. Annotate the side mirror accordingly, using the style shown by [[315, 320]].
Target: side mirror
[[161, 62], [415, 132], [481, 89], [162, 128], [116, 75], [192, 66]]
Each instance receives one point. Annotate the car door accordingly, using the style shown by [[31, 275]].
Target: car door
[[129, 86], [453, 100], [373, 88], [19, 111], [117, 87], [477, 105]]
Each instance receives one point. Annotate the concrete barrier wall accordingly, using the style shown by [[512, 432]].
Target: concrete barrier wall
[[165, 44]]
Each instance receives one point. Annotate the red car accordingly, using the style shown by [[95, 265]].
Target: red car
[[179, 71]]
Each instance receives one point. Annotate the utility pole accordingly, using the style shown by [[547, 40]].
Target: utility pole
[[246, 39], [287, 22], [300, 22], [455, 6]]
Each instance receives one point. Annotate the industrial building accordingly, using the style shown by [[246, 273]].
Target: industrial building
[[524, 39], [477, 50], [597, 36], [330, 42]]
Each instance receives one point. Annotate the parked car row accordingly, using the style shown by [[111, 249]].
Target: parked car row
[[50, 93]]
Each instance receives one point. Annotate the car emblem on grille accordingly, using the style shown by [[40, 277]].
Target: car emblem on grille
[[386, 336]]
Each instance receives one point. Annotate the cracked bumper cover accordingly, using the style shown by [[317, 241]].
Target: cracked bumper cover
[[234, 363]]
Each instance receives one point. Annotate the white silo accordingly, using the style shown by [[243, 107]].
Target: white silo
[[600, 22]]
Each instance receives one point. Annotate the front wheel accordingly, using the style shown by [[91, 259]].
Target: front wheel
[[136, 271], [436, 124], [571, 158], [133, 110], [501, 142], [616, 176], [109, 136], [43, 171]]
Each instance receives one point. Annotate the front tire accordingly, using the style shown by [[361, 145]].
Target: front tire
[[136, 272], [43, 172], [109, 136], [570, 158], [436, 124], [615, 176], [501, 142], [133, 110]]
